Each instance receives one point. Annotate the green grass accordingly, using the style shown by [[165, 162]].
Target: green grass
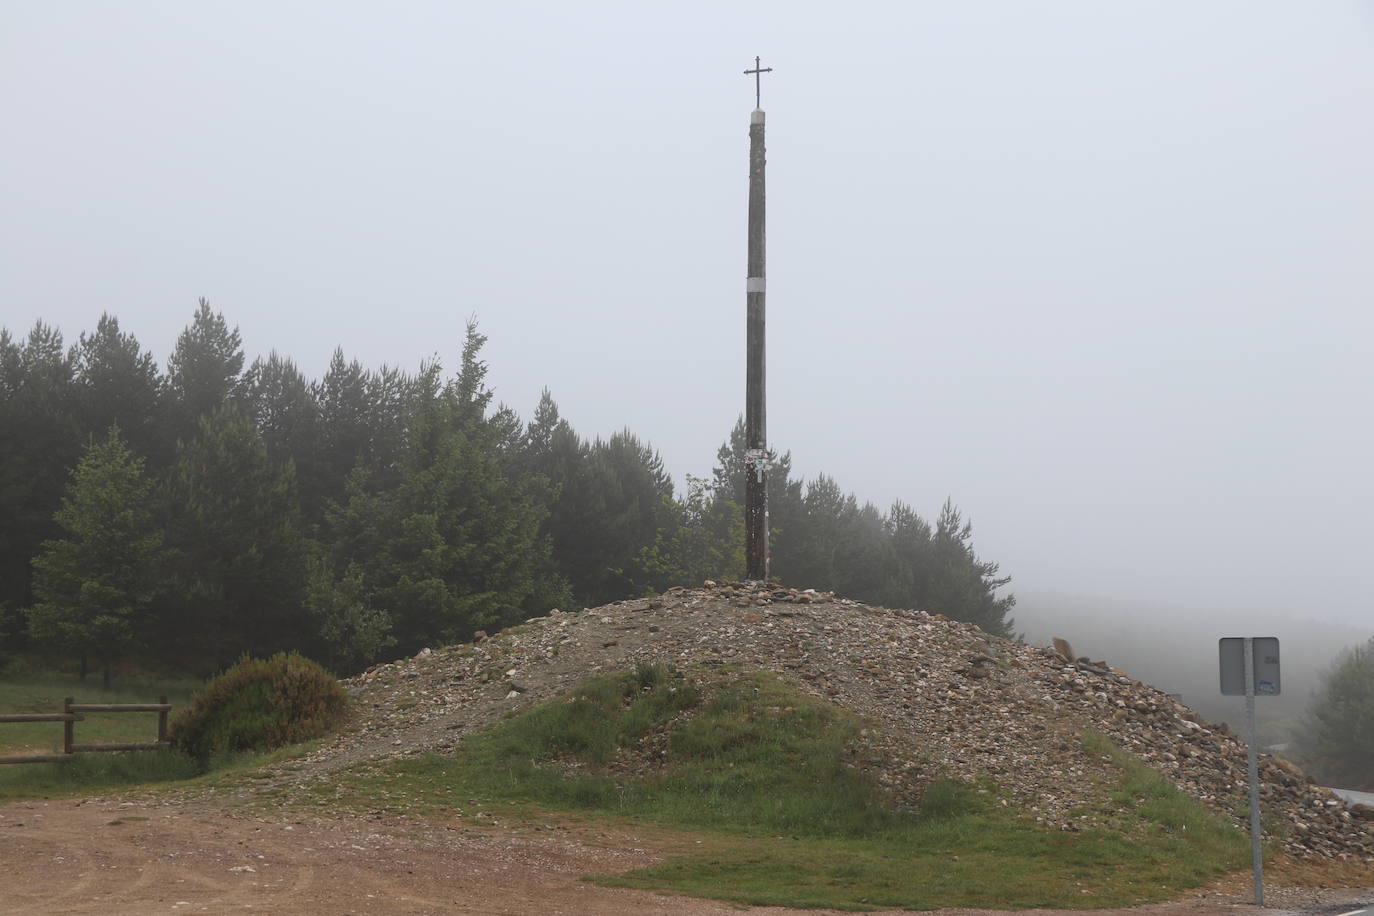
[[86, 774], [94, 773], [1168, 819], [769, 781], [45, 694]]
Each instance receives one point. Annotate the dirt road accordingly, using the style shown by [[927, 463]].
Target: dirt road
[[98, 856], [163, 855]]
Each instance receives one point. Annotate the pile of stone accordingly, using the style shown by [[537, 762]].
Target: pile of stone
[[943, 698]]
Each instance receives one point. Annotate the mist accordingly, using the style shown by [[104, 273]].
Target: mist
[[1100, 274], [1174, 648]]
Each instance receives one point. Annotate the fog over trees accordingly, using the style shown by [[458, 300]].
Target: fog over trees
[[1174, 648], [180, 519], [177, 520]]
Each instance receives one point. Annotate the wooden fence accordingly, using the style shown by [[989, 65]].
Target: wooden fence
[[72, 713]]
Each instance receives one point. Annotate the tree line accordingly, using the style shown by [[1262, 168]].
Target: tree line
[[1337, 741], [215, 508]]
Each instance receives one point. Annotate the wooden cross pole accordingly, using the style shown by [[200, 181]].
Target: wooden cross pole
[[757, 74], [755, 415]]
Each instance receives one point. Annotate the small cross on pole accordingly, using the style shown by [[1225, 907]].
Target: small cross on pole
[[757, 73]]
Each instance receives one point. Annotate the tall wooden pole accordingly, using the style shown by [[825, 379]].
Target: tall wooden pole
[[755, 414]]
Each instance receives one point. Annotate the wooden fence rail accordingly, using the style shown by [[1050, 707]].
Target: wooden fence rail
[[72, 713]]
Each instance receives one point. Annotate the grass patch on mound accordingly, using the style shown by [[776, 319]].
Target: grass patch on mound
[[769, 782], [1154, 811]]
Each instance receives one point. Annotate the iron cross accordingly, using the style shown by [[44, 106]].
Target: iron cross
[[757, 72]]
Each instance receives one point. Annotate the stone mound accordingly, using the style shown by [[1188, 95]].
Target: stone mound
[[943, 699]]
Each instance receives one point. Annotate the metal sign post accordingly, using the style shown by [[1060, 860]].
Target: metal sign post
[[1252, 763], [1250, 665]]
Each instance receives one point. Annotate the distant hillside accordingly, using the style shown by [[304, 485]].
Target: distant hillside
[[1175, 649]]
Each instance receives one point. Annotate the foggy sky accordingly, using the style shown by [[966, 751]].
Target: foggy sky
[[1101, 273]]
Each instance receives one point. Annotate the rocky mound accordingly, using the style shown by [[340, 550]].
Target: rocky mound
[[944, 698]]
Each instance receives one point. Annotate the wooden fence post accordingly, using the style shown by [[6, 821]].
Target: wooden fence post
[[69, 726], [162, 720]]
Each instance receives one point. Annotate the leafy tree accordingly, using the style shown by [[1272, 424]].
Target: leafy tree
[[1340, 722], [203, 371], [96, 585], [704, 539], [234, 520], [352, 632]]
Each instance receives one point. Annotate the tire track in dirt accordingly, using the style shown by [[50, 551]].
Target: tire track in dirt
[[104, 857], [157, 855]]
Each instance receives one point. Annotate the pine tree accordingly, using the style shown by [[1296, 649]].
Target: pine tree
[[907, 576], [962, 586], [117, 382], [96, 585], [455, 544], [623, 501], [40, 442], [282, 404], [234, 521], [203, 371], [362, 423], [554, 452]]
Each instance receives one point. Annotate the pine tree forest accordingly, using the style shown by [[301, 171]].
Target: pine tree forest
[[177, 519]]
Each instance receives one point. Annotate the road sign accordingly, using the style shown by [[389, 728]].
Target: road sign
[[1265, 660], [1250, 668]]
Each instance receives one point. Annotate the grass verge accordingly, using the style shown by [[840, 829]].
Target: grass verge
[[768, 778], [95, 772], [45, 694], [88, 773]]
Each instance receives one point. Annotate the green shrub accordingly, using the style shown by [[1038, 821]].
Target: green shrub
[[258, 705]]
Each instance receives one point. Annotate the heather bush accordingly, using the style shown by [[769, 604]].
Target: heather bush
[[261, 704]]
